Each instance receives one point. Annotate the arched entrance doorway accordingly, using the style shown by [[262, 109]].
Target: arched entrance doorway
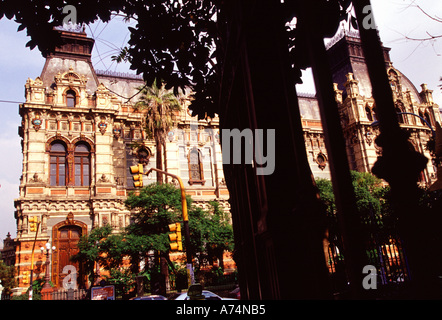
[[65, 237]]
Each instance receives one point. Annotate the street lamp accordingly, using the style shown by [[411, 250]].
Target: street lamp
[[48, 250]]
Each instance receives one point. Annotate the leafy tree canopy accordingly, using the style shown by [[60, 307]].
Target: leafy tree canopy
[[182, 42], [371, 194], [160, 103], [155, 207], [7, 277]]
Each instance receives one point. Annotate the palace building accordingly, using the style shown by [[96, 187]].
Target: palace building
[[417, 112], [80, 134]]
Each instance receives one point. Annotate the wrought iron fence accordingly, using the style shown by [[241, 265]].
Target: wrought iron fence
[[70, 294], [383, 248]]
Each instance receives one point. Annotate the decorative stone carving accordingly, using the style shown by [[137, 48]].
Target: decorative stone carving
[[102, 126], [35, 179], [103, 179], [36, 122], [117, 131]]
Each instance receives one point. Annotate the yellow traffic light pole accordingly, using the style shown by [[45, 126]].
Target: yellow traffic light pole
[[175, 237], [32, 259], [185, 221]]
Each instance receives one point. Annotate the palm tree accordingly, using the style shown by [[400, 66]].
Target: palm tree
[[161, 105]]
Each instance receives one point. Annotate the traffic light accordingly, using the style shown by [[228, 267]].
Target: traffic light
[[33, 223], [25, 278], [138, 177], [175, 237]]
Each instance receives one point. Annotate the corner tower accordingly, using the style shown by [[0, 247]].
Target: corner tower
[[75, 53], [417, 112], [69, 182]]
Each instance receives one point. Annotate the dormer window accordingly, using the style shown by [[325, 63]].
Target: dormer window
[[196, 171], [70, 98]]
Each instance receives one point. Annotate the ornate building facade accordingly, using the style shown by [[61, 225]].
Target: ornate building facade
[[417, 112], [80, 134]]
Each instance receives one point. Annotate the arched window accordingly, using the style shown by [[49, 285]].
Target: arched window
[[82, 164], [70, 98], [394, 80], [369, 114], [428, 117], [196, 174], [421, 118], [57, 169], [373, 113], [400, 117]]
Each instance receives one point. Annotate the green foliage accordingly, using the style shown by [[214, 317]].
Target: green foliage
[[372, 203], [182, 42], [37, 286], [372, 200], [160, 103], [211, 234], [155, 207], [368, 190], [326, 193], [7, 276], [122, 279], [90, 249], [371, 195]]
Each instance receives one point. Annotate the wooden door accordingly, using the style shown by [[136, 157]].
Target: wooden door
[[68, 238]]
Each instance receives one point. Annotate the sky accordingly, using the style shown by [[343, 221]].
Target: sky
[[420, 61]]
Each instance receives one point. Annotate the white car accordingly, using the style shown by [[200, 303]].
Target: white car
[[208, 295], [151, 297]]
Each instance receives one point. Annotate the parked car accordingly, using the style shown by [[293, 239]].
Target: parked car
[[208, 295], [235, 293], [151, 297]]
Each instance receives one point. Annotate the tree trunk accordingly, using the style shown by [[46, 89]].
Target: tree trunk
[[159, 157], [165, 272], [165, 161], [278, 220]]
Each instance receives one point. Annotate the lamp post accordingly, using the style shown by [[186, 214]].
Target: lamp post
[[47, 287]]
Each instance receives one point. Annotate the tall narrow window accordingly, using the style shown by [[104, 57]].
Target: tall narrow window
[[58, 164], [369, 114], [82, 164], [195, 167], [70, 98], [400, 116], [428, 117], [373, 113], [421, 114]]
